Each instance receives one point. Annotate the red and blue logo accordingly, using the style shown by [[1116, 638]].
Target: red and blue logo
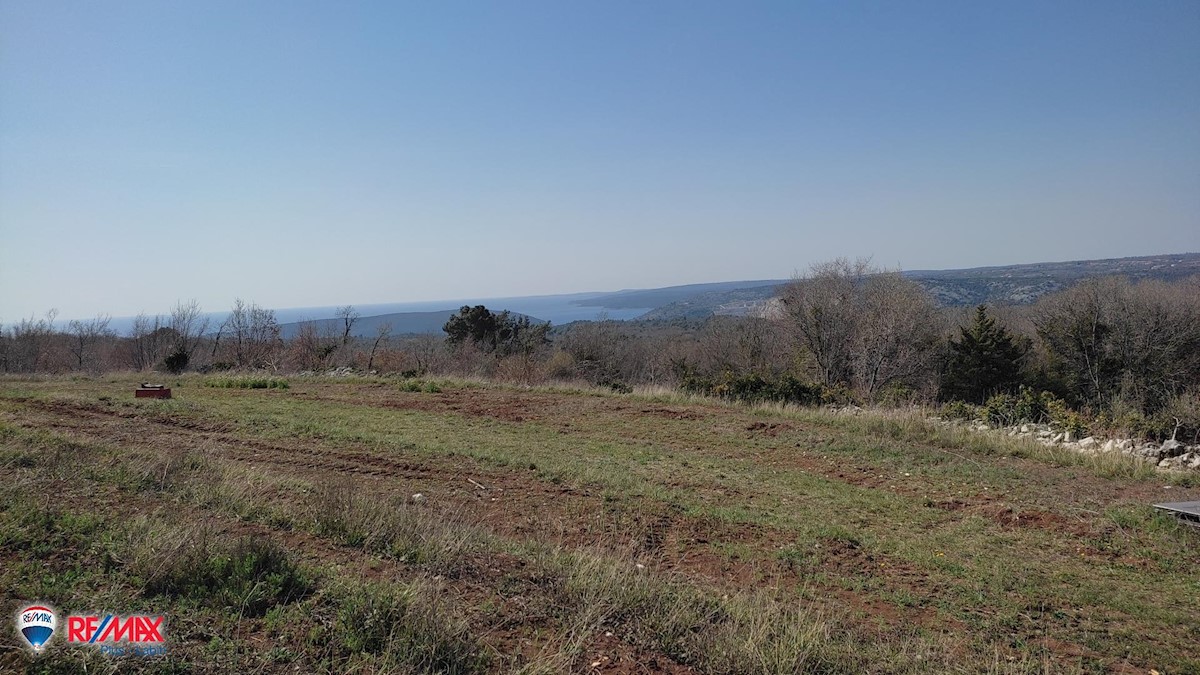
[[134, 635], [36, 623], [120, 635]]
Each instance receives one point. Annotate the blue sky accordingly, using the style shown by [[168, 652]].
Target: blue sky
[[303, 153]]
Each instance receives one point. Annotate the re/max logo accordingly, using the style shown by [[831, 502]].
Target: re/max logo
[[92, 630], [40, 615]]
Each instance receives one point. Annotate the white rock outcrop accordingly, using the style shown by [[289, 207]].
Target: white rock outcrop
[[1169, 455]]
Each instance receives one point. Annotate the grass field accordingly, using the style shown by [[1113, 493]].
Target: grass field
[[372, 525]]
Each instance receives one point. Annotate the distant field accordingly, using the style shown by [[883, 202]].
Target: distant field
[[280, 530]]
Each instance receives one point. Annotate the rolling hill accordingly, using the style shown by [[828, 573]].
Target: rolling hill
[[1009, 284], [1006, 285]]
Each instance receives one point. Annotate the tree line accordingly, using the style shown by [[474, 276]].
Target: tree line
[[1116, 352]]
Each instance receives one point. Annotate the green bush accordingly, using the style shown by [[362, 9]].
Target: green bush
[[405, 629], [1062, 417], [1179, 419], [244, 382], [960, 410], [1000, 410], [251, 575], [176, 362], [754, 388], [419, 385], [1024, 406], [1031, 407], [985, 359], [614, 385]]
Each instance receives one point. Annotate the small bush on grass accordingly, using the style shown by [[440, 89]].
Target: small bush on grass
[[415, 534], [1062, 417], [244, 382], [176, 362], [960, 410], [739, 633], [419, 385], [385, 627], [250, 575], [1031, 407], [754, 388]]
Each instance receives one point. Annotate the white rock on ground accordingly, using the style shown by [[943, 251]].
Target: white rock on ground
[[1170, 454], [1171, 448]]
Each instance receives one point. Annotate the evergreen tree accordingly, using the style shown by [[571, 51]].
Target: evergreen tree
[[474, 325], [502, 334], [985, 360]]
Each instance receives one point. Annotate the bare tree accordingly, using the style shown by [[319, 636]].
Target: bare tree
[[349, 316], [742, 345], [428, 351], [189, 324], [865, 328], [824, 307], [1114, 341], [84, 337], [31, 343], [897, 333], [382, 331], [254, 334], [597, 348], [310, 349], [148, 340]]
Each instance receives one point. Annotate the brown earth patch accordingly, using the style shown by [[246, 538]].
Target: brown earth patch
[[1009, 518], [606, 653], [769, 428], [671, 413]]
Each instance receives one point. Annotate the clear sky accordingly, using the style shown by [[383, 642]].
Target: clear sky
[[317, 153]]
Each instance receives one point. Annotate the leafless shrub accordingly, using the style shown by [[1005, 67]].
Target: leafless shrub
[[862, 327], [1111, 340], [85, 340]]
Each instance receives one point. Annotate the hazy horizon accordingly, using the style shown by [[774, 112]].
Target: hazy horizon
[[524, 304], [318, 154]]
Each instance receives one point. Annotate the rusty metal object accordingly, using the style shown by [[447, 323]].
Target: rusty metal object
[[147, 390]]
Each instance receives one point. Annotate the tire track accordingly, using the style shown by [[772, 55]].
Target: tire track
[[129, 427]]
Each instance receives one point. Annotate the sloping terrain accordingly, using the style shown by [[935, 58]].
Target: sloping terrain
[[367, 326], [458, 527], [1022, 284], [1008, 285], [658, 297], [401, 323]]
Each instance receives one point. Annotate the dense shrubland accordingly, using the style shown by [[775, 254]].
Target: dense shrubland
[[1106, 354]]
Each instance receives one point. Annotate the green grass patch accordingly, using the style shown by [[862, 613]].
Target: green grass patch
[[247, 575], [419, 385], [246, 382]]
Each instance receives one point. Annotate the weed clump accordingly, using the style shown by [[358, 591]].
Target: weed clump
[[251, 575], [755, 388], [244, 382], [419, 386], [405, 628], [418, 536], [961, 410]]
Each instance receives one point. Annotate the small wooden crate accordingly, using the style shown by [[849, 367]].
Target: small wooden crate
[[152, 391]]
